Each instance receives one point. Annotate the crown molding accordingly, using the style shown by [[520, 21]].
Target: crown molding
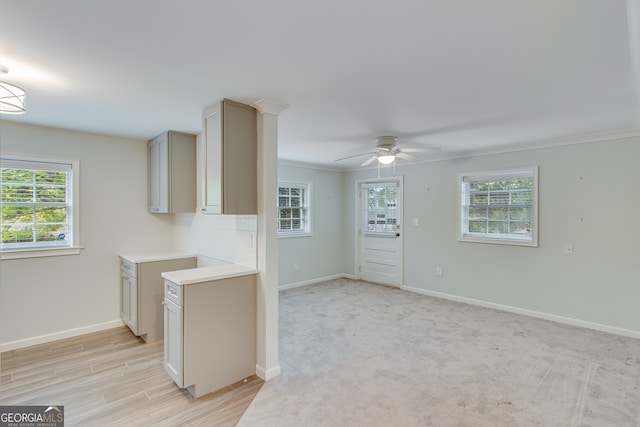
[[297, 164], [497, 149], [540, 144], [267, 106]]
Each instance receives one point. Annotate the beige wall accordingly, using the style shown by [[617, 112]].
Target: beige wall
[[49, 298]]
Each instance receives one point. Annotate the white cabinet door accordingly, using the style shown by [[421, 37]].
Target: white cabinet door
[[129, 301], [125, 296], [159, 174], [133, 305], [230, 159], [173, 340], [212, 184]]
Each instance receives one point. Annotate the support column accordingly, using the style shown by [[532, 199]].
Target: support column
[[267, 363]]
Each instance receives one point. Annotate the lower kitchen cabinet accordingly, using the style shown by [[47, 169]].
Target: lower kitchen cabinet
[[210, 333], [142, 290]]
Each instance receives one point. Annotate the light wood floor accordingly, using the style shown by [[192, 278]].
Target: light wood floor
[[113, 378]]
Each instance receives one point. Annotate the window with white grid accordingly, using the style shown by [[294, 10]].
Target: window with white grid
[[499, 207], [39, 201], [381, 207], [293, 209]]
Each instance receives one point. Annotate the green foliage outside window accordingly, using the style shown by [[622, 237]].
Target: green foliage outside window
[[382, 207], [502, 207], [35, 206]]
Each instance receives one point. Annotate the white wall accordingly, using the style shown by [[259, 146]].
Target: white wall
[[320, 255], [49, 298], [588, 197]]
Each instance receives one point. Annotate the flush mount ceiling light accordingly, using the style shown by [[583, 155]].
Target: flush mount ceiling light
[[12, 97]]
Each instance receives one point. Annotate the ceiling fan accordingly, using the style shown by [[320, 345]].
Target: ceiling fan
[[387, 152]]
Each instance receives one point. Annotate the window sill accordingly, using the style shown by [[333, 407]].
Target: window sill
[[39, 253], [498, 241], [287, 235]]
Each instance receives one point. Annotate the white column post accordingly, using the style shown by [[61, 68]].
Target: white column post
[[267, 363]]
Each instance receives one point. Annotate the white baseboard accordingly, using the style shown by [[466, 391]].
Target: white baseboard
[[313, 281], [267, 374], [526, 312], [41, 339]]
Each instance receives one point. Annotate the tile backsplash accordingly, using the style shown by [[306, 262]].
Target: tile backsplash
[[229, 238]]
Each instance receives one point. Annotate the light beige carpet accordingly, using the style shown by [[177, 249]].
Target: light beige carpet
[[358, 354]]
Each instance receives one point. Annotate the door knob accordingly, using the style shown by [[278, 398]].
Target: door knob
[[397, 234]]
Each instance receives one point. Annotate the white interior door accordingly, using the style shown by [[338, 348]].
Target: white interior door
[[380, 236]]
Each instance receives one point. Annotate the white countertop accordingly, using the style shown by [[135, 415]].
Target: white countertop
[[206, 274], [156, 256]]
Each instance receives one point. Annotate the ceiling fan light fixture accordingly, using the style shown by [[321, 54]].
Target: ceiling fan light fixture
[[386, 159], [12, 97]]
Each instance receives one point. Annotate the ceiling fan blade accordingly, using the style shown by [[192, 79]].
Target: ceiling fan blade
[[420, 149], [371, 159], [406, 156], [355, 155]]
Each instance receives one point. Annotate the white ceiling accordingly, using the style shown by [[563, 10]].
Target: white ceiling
[[461, 75]]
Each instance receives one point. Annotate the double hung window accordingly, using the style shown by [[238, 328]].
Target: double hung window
[[499, 207], [294, 217], [39, 201]]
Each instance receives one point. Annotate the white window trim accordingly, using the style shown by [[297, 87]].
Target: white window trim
[[532, 171], [74, 249], [296, 233]]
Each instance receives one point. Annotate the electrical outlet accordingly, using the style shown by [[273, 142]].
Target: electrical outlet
[[296, 266], [568, 248], [415, 221], [439, 271]]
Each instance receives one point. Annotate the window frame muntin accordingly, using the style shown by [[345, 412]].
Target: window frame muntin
[[307, 199], [377, 184], [512, 173], [46, 249]]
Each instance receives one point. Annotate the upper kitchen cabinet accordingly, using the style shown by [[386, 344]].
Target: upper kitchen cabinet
[[230, 149], [172, 173]]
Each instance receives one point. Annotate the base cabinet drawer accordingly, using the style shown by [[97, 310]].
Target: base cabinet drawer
[[173, 292], [128, 267]]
